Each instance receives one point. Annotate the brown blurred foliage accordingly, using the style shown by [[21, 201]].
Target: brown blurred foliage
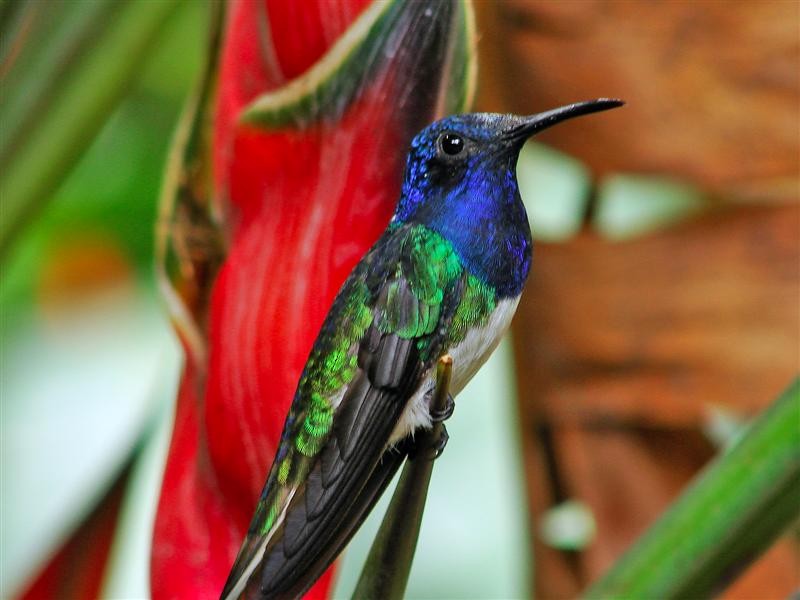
[[624, 350], [712, 87]]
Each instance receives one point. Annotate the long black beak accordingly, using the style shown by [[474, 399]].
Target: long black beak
[[525, 127]]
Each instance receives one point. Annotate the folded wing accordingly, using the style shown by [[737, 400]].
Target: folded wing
[[382, 335]]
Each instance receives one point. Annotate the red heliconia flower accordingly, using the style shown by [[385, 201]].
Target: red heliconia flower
[[313, 104]]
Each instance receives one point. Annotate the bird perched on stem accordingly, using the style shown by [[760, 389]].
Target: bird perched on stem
[[445, 277]]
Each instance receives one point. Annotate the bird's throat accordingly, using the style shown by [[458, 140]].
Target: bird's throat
[[485, 221]]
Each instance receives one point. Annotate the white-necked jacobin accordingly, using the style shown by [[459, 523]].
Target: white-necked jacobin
[[445, 277]]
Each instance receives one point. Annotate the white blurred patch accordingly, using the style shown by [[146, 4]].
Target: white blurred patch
[[78, 390], [568, 526]]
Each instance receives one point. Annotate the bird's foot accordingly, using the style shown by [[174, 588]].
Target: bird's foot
[[437, 416], [439, 444], [432, 449]]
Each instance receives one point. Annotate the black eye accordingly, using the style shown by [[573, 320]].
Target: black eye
[[451, 144]]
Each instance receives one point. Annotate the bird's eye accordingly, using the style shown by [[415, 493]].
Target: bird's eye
[[451, 144]]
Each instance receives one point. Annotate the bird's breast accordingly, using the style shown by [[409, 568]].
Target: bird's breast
[[468, 356], [479, 343]]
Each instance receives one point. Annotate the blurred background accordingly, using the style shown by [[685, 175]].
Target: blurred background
[[664, 309], [90, 93], [662, 314]]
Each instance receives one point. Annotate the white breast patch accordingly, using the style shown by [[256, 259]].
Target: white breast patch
[[468, 356]]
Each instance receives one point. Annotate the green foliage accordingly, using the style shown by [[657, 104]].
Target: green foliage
[[66, 67], [731, 513], [113, 187]]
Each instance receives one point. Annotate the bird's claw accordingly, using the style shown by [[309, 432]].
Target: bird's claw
[[433, 450], [439, 445], [437, 416]]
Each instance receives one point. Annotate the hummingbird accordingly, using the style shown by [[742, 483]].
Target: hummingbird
[[445, 277]]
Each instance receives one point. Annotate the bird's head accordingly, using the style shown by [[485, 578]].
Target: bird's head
[[461, 182], [461, 156]]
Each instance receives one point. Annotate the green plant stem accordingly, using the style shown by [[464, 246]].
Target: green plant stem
[[386, 570], [75, 112], [731, 513]]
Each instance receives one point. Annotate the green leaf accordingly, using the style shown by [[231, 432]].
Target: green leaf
[[65, 66], [731, 513]]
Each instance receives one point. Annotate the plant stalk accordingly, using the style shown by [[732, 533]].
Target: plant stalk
[[386, 570]]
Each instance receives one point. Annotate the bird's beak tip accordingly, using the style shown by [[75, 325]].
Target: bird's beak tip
[[610, 102], [525, 127]]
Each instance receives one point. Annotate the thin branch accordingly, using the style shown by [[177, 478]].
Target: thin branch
[[385, 573]]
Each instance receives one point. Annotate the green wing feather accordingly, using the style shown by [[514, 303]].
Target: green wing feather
[[477, 303]]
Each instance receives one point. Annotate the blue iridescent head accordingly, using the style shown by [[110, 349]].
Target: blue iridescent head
[[460, 181]]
